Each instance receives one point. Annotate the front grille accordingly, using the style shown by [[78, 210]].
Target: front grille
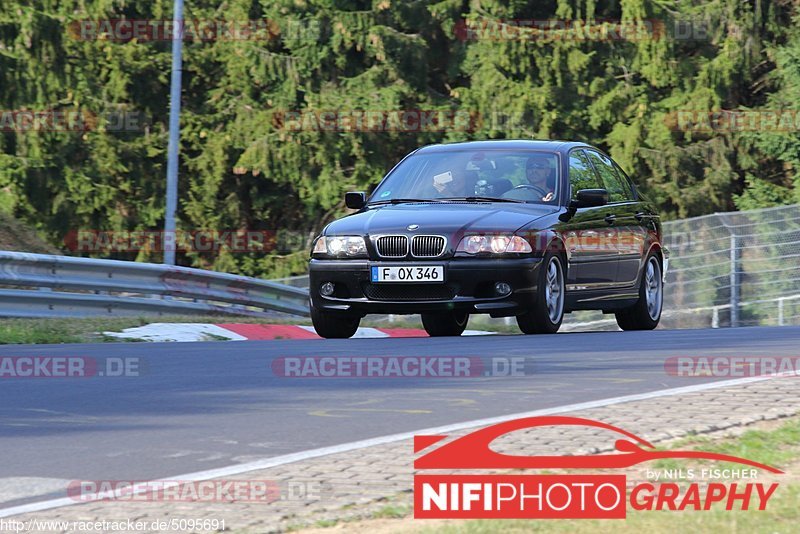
[[393, 246], [427, 246], [409, 291]]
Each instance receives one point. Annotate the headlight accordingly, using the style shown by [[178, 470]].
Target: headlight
[[494, 244], [340, 246]]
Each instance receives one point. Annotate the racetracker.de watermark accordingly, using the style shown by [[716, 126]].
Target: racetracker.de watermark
[[732, 366], [558, 30], [70, 367], [215, 490], [376, 120], [598, 30], [122, 30], [177, 524], [398, 366], [404, 121], [264, 491], [70, 120], [203, 240], [765, 120]]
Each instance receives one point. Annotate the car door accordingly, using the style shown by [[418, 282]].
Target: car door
[[593, 262], [643, 226], [629, 235]]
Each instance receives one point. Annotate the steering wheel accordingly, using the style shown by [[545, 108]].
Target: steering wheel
[[534, 187], [540, 193]]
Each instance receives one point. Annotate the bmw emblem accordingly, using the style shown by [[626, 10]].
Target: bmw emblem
[[412, 227]]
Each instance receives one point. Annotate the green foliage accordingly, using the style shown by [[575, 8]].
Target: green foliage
[[242, 168]]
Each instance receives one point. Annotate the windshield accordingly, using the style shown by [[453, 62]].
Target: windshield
[[520, 175]]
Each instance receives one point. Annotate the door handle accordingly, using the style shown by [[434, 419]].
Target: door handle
[[610, 218]]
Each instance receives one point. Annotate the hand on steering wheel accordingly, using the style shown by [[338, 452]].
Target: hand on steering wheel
[[545, 196]]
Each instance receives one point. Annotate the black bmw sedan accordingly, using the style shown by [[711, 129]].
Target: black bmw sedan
[[530, 229]]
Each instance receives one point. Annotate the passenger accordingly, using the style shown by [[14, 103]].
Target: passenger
[[450, 184]]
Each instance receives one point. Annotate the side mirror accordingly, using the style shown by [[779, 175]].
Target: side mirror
[[589, 198], [355, 200]]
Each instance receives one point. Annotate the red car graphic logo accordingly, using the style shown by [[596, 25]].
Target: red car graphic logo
[[473, 451]]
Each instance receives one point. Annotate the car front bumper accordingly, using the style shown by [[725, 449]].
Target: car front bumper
[[468, 286]]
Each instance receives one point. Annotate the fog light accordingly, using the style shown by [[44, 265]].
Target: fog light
[[502, 288], [327, 289]]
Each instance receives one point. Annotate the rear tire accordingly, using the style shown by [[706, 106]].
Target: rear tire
[[646, 313], [334, 325], [548, 311], [441, 324]]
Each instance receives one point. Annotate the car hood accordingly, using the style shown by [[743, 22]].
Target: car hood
[[448, 219]]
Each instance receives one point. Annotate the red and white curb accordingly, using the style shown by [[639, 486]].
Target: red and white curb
[[244, 332]]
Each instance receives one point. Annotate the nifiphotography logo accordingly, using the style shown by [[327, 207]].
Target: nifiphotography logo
[[566, 496]]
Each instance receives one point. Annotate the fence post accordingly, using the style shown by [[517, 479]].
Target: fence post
[[780, 311], [734, 279], [715, 317]]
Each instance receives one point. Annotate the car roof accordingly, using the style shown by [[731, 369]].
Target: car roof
[[509, 144]]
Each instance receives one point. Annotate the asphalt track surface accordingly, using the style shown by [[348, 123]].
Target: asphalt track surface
[[200, 406]]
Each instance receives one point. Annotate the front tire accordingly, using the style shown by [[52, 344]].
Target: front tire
[[334, 325], [548, 311], [646, 313], [450, 323]]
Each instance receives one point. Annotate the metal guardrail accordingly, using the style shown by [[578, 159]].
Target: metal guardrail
[[72, 286]]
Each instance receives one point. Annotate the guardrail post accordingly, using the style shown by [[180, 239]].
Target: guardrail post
[[780, 311], [734, 279], [173, 147]]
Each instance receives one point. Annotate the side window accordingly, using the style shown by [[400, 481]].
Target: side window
[[581, 174], [617, 192], [626, 181]]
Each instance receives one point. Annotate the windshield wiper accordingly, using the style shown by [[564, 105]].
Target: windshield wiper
[[403, 201], [485, 199]]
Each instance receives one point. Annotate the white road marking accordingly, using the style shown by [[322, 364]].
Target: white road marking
[[392, 438], [183, 332], [363, 332], [477, 333]]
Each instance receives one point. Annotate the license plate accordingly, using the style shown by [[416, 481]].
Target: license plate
[[408, 273]]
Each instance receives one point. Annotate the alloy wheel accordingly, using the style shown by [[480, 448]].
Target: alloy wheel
[[653, 288]]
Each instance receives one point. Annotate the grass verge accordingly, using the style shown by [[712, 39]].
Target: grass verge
[[780, 446]]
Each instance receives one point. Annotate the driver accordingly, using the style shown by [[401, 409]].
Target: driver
[[541, 175]]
